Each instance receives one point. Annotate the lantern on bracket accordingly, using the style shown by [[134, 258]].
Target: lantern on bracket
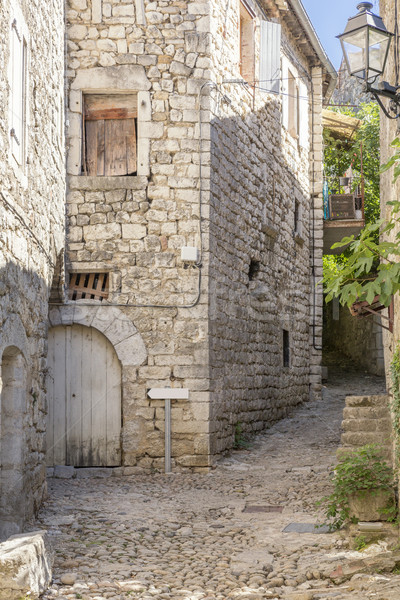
[[365, 44]]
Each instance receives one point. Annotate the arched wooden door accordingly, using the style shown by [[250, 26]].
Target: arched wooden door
[[84, 398]]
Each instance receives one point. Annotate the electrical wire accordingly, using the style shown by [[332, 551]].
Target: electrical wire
[[134, 304]]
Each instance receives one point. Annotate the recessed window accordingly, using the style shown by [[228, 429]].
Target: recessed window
[[246, 32], [254, 269], [88, 286], [109, 140], [293, 104], [286, 348], [297, 217]]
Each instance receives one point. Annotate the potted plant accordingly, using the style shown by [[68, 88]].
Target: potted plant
[[363, 489]]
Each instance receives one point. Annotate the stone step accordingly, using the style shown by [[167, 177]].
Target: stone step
[[379, 400], [357, 439], [366, 412], [385, 451], [383, 426]]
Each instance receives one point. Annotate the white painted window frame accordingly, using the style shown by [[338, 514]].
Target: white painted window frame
[[303, 136]]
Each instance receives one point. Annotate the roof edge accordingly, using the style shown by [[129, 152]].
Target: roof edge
[[330, 70]]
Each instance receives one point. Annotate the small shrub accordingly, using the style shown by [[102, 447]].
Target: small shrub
[[362, 470], [360, 542], [239, 441]]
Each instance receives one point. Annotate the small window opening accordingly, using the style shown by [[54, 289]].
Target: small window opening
[[297, 216], [293, 104], [110, 135], [286, 348], [246, 32], [254, 269], [89, 286]]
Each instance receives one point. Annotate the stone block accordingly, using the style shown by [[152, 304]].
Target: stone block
[[64, 472], [96, 11], [131, 351], [122, 78], [134, 232], [111, 231], [371, 505], [25, 566], [93, 473], [194, 461]]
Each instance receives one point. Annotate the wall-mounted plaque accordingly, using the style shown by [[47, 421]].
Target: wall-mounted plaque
[[341, 207]]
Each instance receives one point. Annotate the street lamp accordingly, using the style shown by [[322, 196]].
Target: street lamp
[[365, 44]]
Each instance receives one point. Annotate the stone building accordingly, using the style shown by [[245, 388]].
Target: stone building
[[389, 191], [32, 204], [193, 239], [194, 227]]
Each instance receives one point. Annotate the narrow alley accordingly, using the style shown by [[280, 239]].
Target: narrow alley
[[219, 535]]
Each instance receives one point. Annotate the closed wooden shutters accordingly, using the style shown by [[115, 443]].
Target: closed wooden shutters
[[110, 146]]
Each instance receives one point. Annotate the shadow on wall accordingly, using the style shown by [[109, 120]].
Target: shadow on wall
[[13, 417], [350, 342], [260, 240], [23, 304]]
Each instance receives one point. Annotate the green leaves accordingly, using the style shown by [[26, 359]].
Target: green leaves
[[393, 160], [359, 471], [371, 268]]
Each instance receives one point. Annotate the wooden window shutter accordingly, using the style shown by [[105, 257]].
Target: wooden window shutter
[[285, 92], [17, 122], [110, 135], [304, 117], [270, 57], [89, 286]]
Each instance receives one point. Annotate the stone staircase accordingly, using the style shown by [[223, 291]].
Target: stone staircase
[[366, 420]]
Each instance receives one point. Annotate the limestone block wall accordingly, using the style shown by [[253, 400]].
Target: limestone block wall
[[360, 340], [388, 191], [134, 227], [261, 281], [205, 149], [31, 240]]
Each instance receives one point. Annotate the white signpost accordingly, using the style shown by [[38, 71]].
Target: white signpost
[[168, 394]]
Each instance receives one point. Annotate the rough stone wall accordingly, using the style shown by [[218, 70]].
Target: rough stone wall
[[349, 90], [134, 227], [360, 340], [32, 237], [389, 131], [257, 171]]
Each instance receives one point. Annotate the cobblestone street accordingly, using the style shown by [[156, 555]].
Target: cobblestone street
[[218, 535]]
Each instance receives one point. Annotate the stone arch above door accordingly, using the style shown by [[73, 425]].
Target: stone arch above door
[[111, 322]]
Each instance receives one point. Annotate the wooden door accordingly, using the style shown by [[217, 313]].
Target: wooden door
[[84, 399]]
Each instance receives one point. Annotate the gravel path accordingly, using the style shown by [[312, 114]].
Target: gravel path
[[219, 535]]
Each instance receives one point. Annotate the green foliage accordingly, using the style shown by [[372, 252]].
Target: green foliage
[[393, 160], [362, 470], [360, 543], [239, 441], [339, 155], [371, 269]]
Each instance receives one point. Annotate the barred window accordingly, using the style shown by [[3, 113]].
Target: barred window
[[88, 286]]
